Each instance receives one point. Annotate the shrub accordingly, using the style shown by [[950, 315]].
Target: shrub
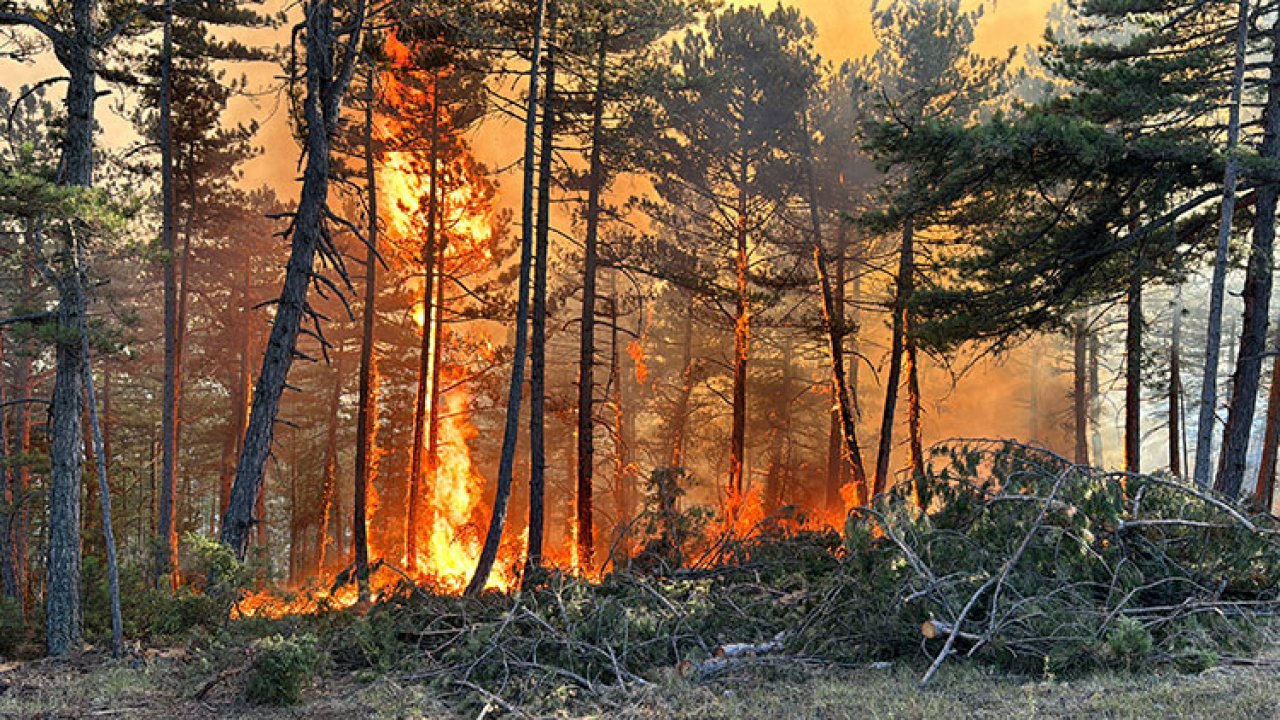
[[282, 669], [179, 612], [1129, 644]]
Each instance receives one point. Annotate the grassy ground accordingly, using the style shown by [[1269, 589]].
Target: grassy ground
[[166, 684]]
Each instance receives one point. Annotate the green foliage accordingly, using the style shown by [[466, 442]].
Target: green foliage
[[174, 614], [225, 576], [1129, 644], [12, 627], [282, 669], [1066, 569]]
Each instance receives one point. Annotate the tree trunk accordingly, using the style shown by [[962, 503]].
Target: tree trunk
[[538, 341], [1095, 402], [63, 621], [833, 312], [511, 428], [906, 265], [1175, 391], [366, 403], [1079, 391], [20, 476], [9, 497], [413, 496], [915, 443], [1264, 489], [587, 345], [680, 418], [1133, 369], [1257, 298], [240, 394], [838, 465], [330, 487], [776, 490], [104, 493], [322, 107], [741, 350], [1217, 287], [166, 543]]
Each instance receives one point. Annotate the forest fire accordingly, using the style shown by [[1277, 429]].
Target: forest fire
[[430, 195]]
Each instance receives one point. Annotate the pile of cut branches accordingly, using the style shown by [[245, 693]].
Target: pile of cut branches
[[1031, 561]]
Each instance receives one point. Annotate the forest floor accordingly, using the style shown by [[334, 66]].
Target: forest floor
[[168, 684]]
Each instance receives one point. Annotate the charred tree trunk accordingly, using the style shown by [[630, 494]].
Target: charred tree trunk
[[1257, 298], [906, 266], [366, 402], [538, 341], [511, 429], [327, 78], [1133, 369], [1080, 390], [413, 496], [1217, 287], [587, 344]]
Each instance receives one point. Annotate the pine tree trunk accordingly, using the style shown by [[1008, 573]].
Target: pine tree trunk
[[538, 340], [9, 496], [104, 493], [1133, 369], [63, 621], [20, 476], [330, 486], [838, 467], [915, 443], [413, 495], [511, 428], [1264, 489], [1257, 298], [850, 453], [1175, 391], [239, 394], [1079, 391], [322, 107], [1217, 287], [906, 264], [680, 418], [1095, 402], [587, 345], [166, 543], [741, 350], [366, 403]]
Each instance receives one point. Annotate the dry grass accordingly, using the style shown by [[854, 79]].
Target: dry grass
[[164, 687]]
